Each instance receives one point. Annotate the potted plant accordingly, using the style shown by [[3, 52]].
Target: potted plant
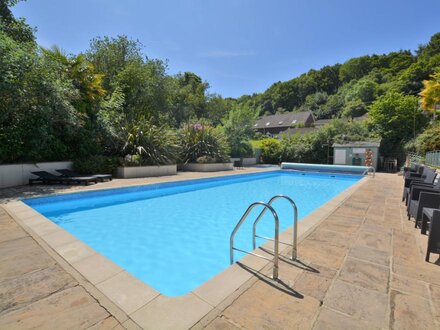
[[203, 148], [149, 150]]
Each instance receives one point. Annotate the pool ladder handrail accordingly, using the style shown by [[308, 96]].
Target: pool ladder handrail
[[370, 169], [276, 240], [295, 226]]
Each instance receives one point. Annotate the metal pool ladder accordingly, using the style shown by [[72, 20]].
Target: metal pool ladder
[[267, 206]]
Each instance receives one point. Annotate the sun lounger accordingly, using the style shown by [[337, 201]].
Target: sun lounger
[[49, 178], [71, 174], [46, 178]]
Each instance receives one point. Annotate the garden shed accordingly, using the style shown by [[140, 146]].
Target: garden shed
[[355, 153]]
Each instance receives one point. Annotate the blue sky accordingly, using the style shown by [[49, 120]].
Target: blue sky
[[239, 46]]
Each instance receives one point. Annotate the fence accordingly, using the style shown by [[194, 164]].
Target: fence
[[412, 157], [433, 158]]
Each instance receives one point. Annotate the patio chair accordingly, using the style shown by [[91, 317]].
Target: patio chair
[[428, 181], [238, 163], [71, 174], [422, 197], [422, 172], [434, 232], [414, 168]]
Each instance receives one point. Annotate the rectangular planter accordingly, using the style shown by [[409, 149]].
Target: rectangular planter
[[246, 161], [214, 167], [127, 172]]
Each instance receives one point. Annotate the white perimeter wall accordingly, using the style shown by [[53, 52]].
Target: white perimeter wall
[[19, 174]]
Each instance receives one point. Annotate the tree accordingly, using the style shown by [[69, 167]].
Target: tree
[[109, 56], [354, 108], [396, 118], [238, 128], [354, 68], [188, 97], [83, 76], [364, 90], [15, 28], [431, 93], [144, 85]]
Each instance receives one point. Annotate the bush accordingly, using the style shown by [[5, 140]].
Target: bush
[[202, 140], [243, 149], [271, 150], [429, 140], [148, 144], [96, 164]]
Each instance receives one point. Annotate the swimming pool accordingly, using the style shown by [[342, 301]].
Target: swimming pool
[[175, 236]]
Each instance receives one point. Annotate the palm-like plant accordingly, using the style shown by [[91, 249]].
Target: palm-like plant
[[202, 140], [152, 144]]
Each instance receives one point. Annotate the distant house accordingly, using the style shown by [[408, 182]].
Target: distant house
[[276, 124], [299, 130], [321, 122]]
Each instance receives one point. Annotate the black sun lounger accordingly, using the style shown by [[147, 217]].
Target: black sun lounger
[[72, 174], [46, 178], [49, 178]]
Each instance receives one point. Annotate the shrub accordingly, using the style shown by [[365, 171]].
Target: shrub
[[429, 140], [271, 150], [148, 144], [199, 140], [96, 164]]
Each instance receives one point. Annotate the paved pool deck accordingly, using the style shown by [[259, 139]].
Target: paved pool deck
[[361, 267]]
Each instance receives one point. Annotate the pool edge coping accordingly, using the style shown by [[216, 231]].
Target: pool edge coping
[[111, 286]]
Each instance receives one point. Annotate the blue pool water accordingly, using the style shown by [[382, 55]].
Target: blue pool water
[[175, 236]]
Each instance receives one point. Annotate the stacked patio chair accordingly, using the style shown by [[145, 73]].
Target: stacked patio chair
[[414, 168], [428, 180], [434, 231], [422, 197]]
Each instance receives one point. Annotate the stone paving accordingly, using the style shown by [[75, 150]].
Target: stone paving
[[36, 292], [366, 270], [363, 267]]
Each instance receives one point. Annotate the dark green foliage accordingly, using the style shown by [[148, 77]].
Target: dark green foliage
[[314, 147], [327, 91], [16, 29], [429, 140], [239, 131], [151, 144], [199, 139], [396, 118], [115, 101], [96, 164], [271, 151]]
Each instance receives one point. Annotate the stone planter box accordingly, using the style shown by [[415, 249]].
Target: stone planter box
[[127, 172], [246, 161], [213, 167]]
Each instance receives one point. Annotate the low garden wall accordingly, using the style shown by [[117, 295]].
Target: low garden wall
[[19, 174], [127, 172], [208, 167]]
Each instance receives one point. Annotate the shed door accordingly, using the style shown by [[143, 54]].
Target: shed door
[[340, 156]]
